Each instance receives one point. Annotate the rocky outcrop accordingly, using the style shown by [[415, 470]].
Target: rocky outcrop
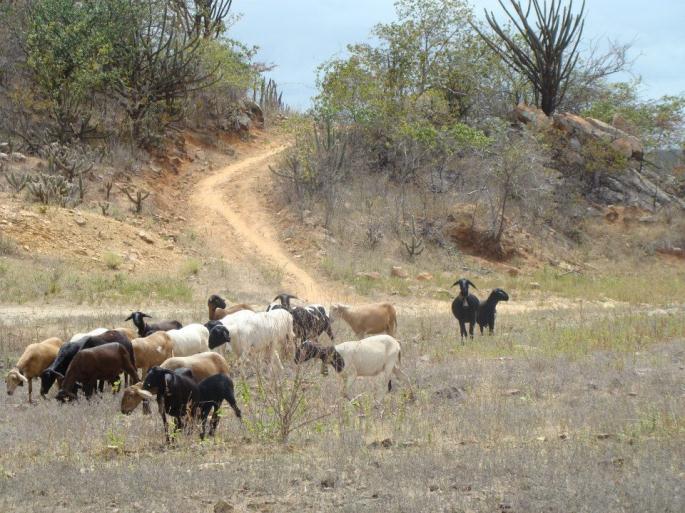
[[630, 183], [578, 130]]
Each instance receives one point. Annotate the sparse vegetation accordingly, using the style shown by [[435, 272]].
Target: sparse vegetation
[[112, 261]]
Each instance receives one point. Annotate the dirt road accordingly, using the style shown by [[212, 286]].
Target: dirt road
[[229, 212]]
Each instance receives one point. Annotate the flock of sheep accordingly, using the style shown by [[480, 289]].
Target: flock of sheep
[[185, 369]]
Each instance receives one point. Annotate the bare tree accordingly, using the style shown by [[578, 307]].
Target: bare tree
[[546, 54]]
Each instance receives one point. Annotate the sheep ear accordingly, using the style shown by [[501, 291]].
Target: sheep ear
[[128, 318], [144, 394], [455, 283], [150, 317], [472, 284]]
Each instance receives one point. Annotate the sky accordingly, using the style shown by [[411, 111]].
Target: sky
[[299, 35]]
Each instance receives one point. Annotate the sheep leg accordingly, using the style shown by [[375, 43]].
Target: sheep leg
[[462, 330], [30, 389], [276, 358], [349, 381], [215, 420], [472, 326], [492, 327]]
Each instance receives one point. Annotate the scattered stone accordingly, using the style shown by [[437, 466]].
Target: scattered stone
[[386, 443], [563, 436], [146, 237], [329, 479], [169, 246], [18, 157], [535, 285], [424, 277], [4, 156], [512, 392], [223, 507], [513, 271], [369, 275], [603, 436], [80, 221], [398, 272], [433, 488]]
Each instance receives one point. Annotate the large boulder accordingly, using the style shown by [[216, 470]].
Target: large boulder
[[529, 115], [581, 128]]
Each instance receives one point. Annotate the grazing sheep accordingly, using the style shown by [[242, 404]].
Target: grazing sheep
[[57, 369], [112, 336], [487, 310], [177, 395], [202, 365], [93, 333], [33, 361], [367, 319], [145, 329], [152, 350], [218, 308], [465, 307], [213, 391], [380, 354], [103, 363], [190, 339], [264, 332]]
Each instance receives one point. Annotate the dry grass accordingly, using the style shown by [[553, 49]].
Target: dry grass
[[560, 411]]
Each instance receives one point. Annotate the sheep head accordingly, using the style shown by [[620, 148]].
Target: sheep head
[[14, 379], [337, 310], [216, 301], [464, 286], [218, 335], [306, 351], [499, 295]]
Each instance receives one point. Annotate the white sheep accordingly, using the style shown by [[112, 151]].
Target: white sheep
[[93, 333], [190, 339], [369, 357], [264, 332]]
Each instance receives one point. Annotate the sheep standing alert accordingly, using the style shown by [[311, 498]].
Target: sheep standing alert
[[488, 310], [465, 307], [218, 308], [145, 329]]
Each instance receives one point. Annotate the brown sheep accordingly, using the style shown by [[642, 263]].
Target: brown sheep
[[367, 319], [202, 365], [152, 350], [218, 309], [129, 332], [103, 363], [35, 359]]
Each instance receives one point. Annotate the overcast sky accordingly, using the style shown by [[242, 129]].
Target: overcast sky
[[298, 35]]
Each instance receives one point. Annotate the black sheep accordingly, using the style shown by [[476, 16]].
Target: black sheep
[[145, 329], [465, 307], [177, 395], [213, 391], [487, 310]]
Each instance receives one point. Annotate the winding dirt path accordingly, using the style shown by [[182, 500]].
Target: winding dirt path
[[230, 198]]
